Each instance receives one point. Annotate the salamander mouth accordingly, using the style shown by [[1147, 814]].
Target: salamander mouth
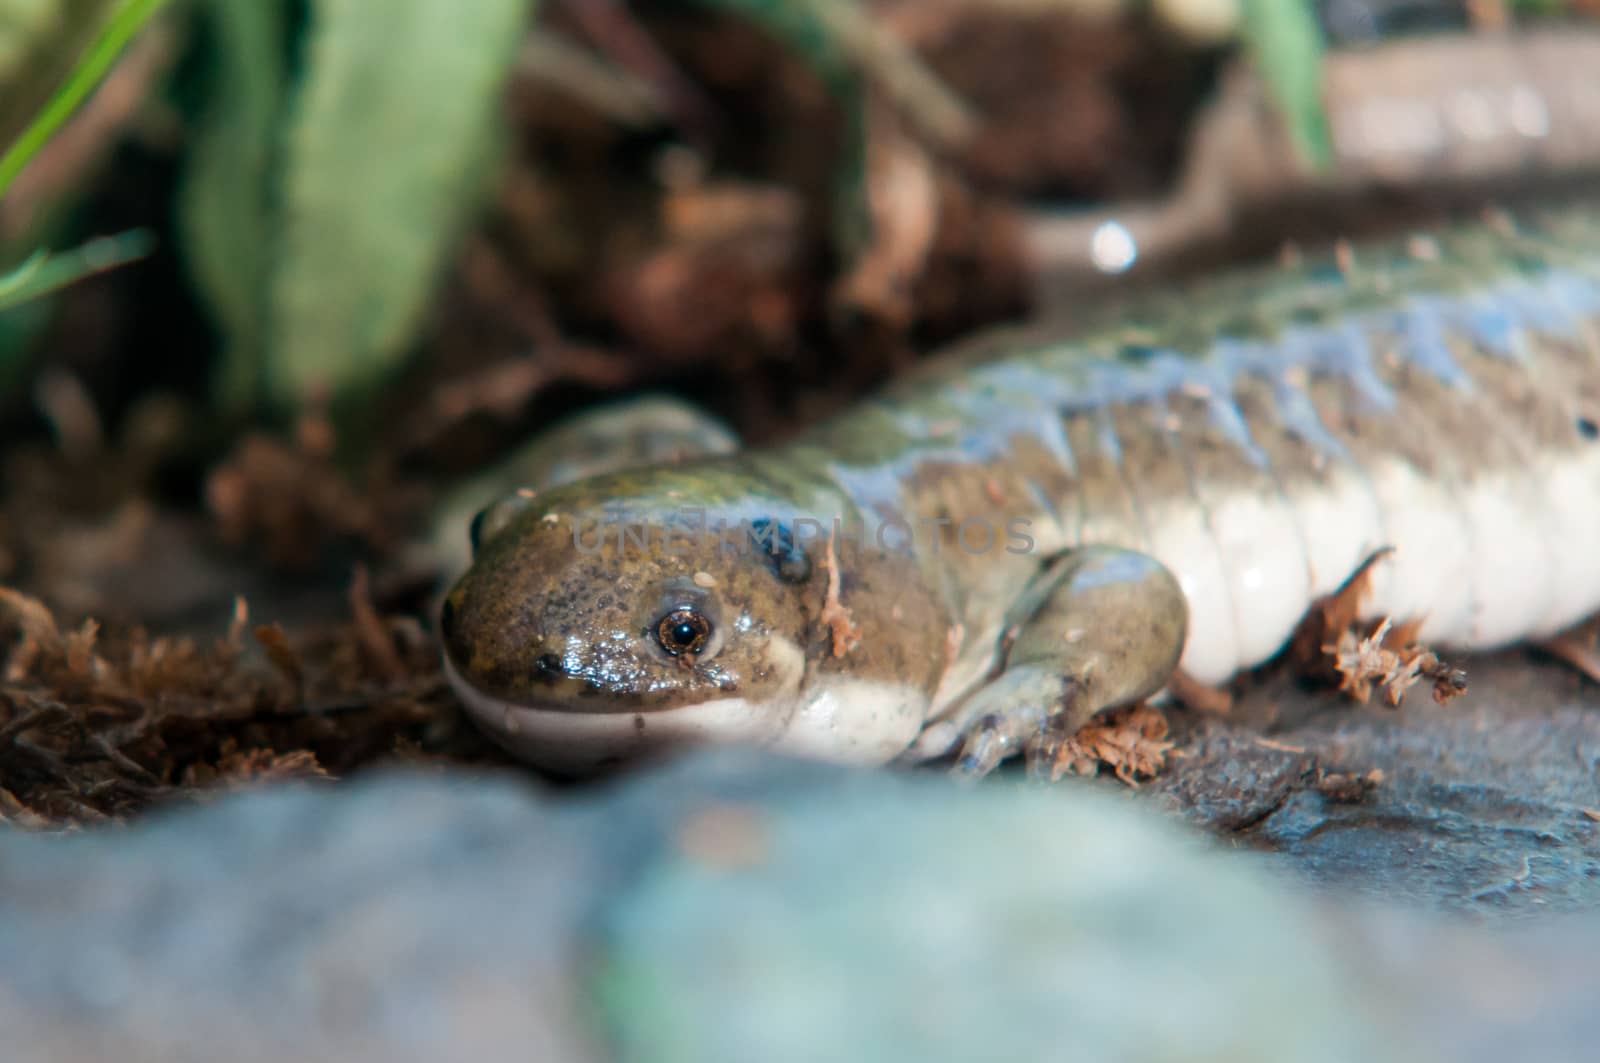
[[583, 741]]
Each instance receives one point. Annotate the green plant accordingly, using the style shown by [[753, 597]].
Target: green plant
[[42, 273], [1285, 42], [55, 56], [317, 211], [118, 32]]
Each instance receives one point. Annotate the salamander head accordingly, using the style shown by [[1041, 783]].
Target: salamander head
[[601, 620]]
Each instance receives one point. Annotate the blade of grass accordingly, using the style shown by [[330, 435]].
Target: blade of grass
[[44, 273], [21, 311], [17, 280], [120, 29], [40, 41]]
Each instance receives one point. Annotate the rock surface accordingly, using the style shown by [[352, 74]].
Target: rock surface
[[1488, 804], [732, 907]]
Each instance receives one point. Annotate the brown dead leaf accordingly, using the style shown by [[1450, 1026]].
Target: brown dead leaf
[[38, 630], [235, 767], [371, 632], [291, 501], [1362, 662], [1132, 742], [248, 766], [276, 644], [1380, 661], [98, 722], [1404, 634], [1329, 618], [1388, 658]]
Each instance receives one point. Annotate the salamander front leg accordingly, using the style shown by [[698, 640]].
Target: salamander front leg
[[1100, 627]]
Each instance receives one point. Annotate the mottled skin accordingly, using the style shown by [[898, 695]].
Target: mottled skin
[[548, 616], [617, 435], [1190, 472]]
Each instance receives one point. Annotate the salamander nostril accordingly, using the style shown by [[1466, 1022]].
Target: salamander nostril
[[548, 665]]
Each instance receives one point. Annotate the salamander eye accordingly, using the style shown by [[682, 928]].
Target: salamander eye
[[475, 529], [683, 631]]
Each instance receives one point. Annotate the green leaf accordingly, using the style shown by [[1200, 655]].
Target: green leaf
[[44, 273], [1286, 43], [383, 162], [118, 32], [18, 279], [22, 313], [223, 213]]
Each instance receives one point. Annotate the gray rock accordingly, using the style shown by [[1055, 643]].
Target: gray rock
[[1518, 990], [409, 918], [730, 907], [1484, 804], [911, 919]]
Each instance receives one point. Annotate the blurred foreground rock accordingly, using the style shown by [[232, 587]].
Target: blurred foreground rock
[[734, 907]]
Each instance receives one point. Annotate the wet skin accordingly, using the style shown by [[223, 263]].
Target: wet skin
[[1071, 515]]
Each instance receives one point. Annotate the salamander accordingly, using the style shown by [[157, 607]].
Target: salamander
[[1045, 522]]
